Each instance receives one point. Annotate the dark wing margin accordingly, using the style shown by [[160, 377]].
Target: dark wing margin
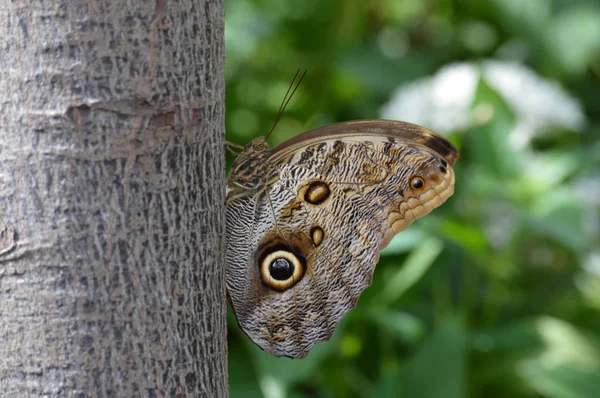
[[392, 129]]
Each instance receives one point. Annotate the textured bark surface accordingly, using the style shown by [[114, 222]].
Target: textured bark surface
[[111, 198]]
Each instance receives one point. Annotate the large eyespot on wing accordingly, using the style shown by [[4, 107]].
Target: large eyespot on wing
[[308, 268], [281, 257], [277, 302], [341, 250]]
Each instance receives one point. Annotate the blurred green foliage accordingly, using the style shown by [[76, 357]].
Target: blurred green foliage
[[497, 292]]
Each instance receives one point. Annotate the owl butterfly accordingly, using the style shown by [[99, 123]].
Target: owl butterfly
[[306, 221]]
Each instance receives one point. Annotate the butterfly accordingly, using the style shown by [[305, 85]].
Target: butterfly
[[306, 220]]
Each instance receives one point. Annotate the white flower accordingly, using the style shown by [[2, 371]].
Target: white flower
[[444, 101], [592, 263]]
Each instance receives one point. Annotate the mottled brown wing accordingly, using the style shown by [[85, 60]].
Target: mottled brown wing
[[334, 199]]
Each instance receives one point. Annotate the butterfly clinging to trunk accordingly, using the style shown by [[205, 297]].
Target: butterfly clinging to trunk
[[307, 219]]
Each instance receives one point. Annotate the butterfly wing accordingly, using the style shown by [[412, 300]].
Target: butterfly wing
[[302, 249]]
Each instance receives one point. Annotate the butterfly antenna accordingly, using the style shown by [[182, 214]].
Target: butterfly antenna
[[287, 92], [286, 99]]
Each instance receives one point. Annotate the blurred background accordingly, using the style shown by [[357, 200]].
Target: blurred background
[[496, 293]]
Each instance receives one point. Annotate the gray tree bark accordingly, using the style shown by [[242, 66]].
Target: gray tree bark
[[111, 198]]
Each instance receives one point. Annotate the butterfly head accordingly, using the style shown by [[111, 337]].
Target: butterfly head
[[256, 146]]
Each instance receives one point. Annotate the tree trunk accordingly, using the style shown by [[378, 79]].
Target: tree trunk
[[111, 198]]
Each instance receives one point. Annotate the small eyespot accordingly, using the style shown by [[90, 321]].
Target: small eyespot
[[281, 270], [443, 169], [317, 193], [417, 183], [317, 234]]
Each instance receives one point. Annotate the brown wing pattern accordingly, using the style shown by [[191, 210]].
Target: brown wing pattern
[[302, 246]]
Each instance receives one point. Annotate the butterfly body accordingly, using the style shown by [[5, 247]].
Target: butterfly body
[[306, 221]]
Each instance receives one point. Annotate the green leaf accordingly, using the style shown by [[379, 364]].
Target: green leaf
[[573, 38], [404, 241], [470, 238], [489, 143], [570, 364], [243, 380], [561, 381], [523, 18], [559, 216], [438, 369], [405, 327], [415, 266], [547, 170]]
